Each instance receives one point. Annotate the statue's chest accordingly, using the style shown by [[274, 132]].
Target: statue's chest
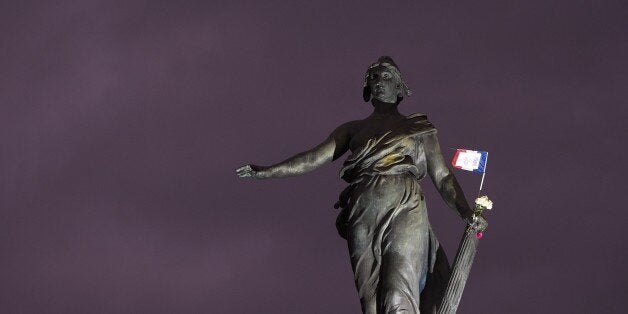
[[360, 139], [374, 131], [406, 146]]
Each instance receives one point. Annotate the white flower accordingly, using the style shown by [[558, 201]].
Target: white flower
[[483, 201]]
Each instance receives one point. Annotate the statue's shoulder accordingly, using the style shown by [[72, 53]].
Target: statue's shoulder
[[421, 123], [418, 117], [353, 124], [349, 128]]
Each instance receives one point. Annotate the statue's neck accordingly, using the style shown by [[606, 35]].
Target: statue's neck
[[384, 108]]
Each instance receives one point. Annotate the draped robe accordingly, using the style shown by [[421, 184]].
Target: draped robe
[[397, 261]]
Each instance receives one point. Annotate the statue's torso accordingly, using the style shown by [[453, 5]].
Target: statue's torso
[[387, 145], [370, 128]]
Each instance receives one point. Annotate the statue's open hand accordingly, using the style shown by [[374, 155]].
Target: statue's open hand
[[252, 171]]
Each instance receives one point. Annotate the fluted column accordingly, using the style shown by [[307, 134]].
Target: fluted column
[[460, 272]]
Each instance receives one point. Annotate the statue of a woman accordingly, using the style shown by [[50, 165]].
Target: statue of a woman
[[397, 262]]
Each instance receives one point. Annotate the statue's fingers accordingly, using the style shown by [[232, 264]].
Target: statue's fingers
[[482, 225], [244, 174], [244, 168]]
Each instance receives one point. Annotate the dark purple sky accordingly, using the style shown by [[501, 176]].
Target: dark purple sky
[[122, 122]]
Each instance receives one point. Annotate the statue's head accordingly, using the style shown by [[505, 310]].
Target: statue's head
[[383, 82]]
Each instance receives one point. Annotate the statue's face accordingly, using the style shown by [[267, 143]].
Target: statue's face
[[384, 86]]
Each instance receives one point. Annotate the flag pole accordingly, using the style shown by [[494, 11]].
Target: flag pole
[[483, 174]]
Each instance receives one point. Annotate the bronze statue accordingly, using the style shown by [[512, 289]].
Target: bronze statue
[[396, 259]]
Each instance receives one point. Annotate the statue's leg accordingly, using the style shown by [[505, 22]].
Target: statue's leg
[[404, 262], [365, 267]]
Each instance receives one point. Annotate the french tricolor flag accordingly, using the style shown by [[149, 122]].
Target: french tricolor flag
[[470, 160]]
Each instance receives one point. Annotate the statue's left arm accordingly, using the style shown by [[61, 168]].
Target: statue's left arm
[[444, 179]]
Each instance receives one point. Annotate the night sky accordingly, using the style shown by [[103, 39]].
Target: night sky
[[122, 124]]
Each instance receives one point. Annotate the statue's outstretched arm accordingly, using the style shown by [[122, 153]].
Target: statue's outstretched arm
[[333, 147], [444, 179]]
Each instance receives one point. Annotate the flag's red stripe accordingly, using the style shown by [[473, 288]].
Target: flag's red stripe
[[453, 162]]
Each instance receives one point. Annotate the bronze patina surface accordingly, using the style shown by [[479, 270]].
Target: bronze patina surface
[[396, 259]]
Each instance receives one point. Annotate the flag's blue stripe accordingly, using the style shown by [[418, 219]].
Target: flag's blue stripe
[[482, 166]]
